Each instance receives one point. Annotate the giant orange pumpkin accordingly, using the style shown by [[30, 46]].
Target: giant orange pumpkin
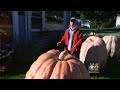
[[56, 65], [93, 50], [112, 45]]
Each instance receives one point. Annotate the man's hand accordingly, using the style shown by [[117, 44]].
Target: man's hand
[[58, 44], [75, 47]]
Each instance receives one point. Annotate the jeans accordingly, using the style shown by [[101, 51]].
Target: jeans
[[76, 55]]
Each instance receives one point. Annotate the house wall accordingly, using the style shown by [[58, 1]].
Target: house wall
[[40, 43], [30, 44]]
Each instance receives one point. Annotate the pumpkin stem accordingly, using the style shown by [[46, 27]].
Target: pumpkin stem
[[62, 55], [91, 40]]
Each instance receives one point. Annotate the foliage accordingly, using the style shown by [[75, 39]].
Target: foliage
[[57, 13], [6, 57], [99, 16]]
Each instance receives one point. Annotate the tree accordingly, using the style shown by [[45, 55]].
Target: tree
[[99, 16]]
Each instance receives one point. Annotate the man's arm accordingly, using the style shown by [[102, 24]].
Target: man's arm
[[62, 41], [78, 44]]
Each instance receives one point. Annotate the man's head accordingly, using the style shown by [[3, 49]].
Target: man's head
[[73, 19], [73, 22]]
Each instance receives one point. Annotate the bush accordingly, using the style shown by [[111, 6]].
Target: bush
[[6, 56]]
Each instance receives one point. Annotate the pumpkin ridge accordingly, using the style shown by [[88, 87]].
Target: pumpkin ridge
[[85, 51], [53, 68], [73, 62], [41, 59], [113, 48], [73, 70], [84, 73], [79, 70], [65, 70], [108, 48], [50, 63], [56, 71], [33, 73], [112, 43]]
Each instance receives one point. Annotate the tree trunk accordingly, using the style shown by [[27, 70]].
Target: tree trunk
[[98, 24]]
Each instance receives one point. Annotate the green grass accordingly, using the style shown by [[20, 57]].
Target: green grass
[[19, 76], [103, 31], [113, 28]]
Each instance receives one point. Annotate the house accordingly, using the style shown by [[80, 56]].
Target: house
[[28, 27], [23, 21]]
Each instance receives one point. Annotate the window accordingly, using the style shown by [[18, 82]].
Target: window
[[54, 20], [36, 20]]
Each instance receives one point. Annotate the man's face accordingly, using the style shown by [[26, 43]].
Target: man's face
[[72, 22]]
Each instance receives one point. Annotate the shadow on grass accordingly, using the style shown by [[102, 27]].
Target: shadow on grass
[[15, 71], [111, 71]]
